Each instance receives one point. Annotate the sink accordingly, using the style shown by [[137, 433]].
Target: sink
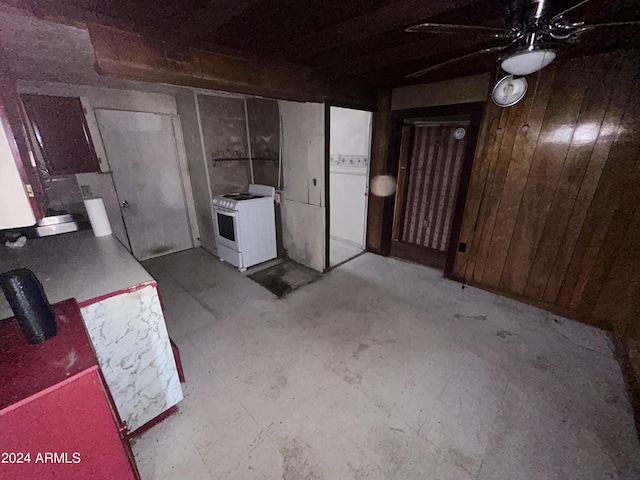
[[57, 224]]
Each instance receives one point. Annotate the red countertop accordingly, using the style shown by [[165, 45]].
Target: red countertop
[[28, 369]]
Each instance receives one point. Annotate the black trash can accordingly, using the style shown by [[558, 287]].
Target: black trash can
[[27, 299]]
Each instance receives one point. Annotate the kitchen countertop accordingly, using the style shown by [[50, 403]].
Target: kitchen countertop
[[75, 265], [26, 370]]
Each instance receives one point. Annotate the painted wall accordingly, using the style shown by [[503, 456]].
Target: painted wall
[[350, 131], [474, 88], [552, 216], [263, 119], [224, 130], [303, 202]]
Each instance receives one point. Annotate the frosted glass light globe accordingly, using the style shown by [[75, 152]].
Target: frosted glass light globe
[[524, 62]]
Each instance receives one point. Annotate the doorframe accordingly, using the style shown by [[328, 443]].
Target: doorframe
[[327, 195], [475, 111], [327, 174]]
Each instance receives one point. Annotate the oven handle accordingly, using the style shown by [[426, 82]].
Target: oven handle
[[225, 211]]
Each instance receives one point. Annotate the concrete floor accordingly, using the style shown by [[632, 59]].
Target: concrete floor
[[341, 251], [381, 370]]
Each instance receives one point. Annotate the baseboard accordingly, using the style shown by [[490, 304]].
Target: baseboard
[[631, 378], [345, 241]]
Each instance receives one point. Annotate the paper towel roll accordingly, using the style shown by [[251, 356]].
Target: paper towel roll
[[98, 217]]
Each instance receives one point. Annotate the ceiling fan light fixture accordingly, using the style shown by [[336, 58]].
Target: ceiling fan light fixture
[[524, 62]]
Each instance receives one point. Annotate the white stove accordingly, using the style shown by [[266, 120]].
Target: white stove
[[246, 226]]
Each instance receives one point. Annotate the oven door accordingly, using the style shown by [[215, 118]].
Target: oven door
[[227, 228]]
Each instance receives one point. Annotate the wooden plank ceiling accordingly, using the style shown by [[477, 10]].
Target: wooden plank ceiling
[[356, 40]]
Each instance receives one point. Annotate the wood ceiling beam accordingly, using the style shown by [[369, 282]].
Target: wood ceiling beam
[[423, 49], [396, 15], [78, 17], [395, 79], [207, 19], [129, 55]]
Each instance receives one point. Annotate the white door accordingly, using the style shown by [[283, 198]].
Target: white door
[[142, 153]]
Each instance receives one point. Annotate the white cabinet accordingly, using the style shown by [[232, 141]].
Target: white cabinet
[[15, 207]]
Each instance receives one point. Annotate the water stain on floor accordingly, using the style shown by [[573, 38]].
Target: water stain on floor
[[459, 316], [505, 333], [361, 348], [297, 463], [285, 277]]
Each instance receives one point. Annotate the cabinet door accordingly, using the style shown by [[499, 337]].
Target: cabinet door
[[68, 432], [62, 132]]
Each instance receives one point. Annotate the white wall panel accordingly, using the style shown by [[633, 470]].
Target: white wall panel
[[303, 213]]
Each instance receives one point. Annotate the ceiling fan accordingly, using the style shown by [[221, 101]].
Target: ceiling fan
[[535, 34]]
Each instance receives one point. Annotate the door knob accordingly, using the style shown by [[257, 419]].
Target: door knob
[[125, 204]]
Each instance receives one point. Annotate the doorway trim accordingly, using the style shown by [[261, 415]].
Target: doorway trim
[[327, 196], [397, 120]]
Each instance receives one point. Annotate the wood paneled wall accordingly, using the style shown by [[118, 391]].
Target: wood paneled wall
[[552, 212]]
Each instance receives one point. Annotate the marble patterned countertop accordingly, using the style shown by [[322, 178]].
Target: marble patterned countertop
[[75, 265]]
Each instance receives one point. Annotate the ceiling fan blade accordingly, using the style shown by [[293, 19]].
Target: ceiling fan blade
[[558, 16], [634, 23], [484, 51], [572, 32], [451, 28]]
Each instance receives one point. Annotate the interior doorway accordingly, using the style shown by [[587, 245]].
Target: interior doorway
[[428, 179], [142, 153], [433, 150], [349, 154]]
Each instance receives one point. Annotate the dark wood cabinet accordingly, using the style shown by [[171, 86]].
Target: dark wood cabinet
[[62, 133]]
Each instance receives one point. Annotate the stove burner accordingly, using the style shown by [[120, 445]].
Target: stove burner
[[242, 196]]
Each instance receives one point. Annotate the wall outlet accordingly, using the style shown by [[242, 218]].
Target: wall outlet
[[86, 191]]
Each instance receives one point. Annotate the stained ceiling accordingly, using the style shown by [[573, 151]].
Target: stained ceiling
[[362, 40]]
